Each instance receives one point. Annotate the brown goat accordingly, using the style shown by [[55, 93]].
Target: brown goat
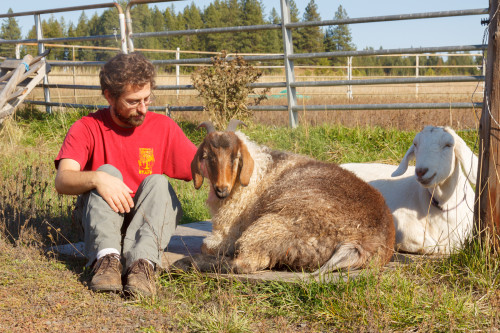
[[276, 209]]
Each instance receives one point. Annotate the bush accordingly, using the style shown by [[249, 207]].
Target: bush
[[225, 87]]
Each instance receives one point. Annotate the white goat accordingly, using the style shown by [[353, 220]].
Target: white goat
[[432, 204], [277, 209]]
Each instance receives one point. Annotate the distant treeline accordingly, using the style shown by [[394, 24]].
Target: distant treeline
[[226, 13]]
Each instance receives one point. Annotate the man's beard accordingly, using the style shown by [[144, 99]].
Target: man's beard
[[132, 119]]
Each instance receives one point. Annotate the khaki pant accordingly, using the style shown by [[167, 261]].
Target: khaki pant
[[143, 233]]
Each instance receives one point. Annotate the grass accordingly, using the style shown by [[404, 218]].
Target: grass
[[40, 290]]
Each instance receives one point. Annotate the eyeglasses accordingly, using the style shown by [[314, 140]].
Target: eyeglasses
[[135, 103]]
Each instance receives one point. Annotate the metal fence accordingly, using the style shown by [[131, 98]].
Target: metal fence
[[127, 37]]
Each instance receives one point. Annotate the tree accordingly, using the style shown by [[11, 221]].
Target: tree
[[248, 42], [222, 14], [172, 24], [338, 38], [51, 28], [294, 17], [10, 30], [82, 29], [311, 38], [274, 42], [106, 24], [142, 22], [191, 19]]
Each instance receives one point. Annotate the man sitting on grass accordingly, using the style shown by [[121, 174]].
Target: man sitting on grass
[[116, 159]]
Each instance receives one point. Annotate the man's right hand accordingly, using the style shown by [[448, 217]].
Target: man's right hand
[[70, 180], [114, 192]]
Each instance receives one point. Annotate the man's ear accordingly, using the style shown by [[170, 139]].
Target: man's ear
[[111, 100]]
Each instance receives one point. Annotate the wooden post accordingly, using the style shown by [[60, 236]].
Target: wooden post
[[14, 80], [487, 204]]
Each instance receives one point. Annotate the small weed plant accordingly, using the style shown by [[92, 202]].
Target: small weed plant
[[225, 89]]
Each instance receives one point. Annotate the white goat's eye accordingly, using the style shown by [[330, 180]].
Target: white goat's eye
[[448, 145], [415, 144]]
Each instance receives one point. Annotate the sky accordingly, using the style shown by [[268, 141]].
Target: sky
[[466, 30]]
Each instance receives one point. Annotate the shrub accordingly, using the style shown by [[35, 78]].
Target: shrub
[[225, 88]]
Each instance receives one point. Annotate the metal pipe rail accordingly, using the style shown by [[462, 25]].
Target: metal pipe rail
[[281, 57], [302, 84], [388, 18], [336, 107]]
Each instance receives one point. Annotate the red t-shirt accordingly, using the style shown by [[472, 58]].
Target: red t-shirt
[[157, 146]]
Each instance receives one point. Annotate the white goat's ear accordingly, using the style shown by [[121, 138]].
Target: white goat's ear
[[467, 158], [195, 168], [403, 166], [247, 164]]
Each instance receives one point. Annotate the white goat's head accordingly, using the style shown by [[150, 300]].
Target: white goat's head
[[222, 158], [436, 150]]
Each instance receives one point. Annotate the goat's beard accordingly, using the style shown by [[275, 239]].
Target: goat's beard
[[134, 119]]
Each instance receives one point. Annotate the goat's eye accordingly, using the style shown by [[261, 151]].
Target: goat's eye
[[448, 145], [415, 144]]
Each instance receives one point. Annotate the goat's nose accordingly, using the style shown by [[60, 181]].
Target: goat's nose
[[221, 192], [421, 171]]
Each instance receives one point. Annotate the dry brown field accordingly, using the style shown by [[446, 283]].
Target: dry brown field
[[376, 94]]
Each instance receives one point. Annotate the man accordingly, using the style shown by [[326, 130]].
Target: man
[[115, 159]]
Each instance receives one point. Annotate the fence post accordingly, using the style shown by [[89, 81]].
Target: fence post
[[41, 49], [177, 69], [291, 92], [417, 73], [486, 207], [123, 30], [349, 77], [18, 51]]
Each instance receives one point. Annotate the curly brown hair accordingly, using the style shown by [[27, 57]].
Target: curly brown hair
[[126, 69]]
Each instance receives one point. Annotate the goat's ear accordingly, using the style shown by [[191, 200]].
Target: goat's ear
[[403, 166], [246, 165], [467, 158], [196, 169]]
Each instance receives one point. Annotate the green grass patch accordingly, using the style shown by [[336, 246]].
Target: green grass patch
[[44, 292]]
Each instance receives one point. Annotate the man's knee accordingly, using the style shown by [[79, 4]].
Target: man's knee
[[156, 181], [159, 185], [110, 169]]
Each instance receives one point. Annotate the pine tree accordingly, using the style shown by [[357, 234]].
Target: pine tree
[[51, 28], [274, 42], [9, 30], [211, 16], [172, 24], [82, 29], [142, 22], [248, 42], [157, 23], [294, 17], [106, 24], [191, 18], [222, 14], [311, 38], [338, 38]]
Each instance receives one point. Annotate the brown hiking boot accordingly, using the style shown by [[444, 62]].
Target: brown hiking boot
[[141, 279], [107, 274]]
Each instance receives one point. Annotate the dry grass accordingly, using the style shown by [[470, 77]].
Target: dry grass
[[376, 94]]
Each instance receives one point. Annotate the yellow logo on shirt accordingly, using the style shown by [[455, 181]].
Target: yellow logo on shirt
[[146, 161]]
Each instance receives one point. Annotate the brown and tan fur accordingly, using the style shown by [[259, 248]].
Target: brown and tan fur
[[277, 209]]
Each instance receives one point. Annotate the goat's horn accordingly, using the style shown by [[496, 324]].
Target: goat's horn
[[231, 127], [208, 125]]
